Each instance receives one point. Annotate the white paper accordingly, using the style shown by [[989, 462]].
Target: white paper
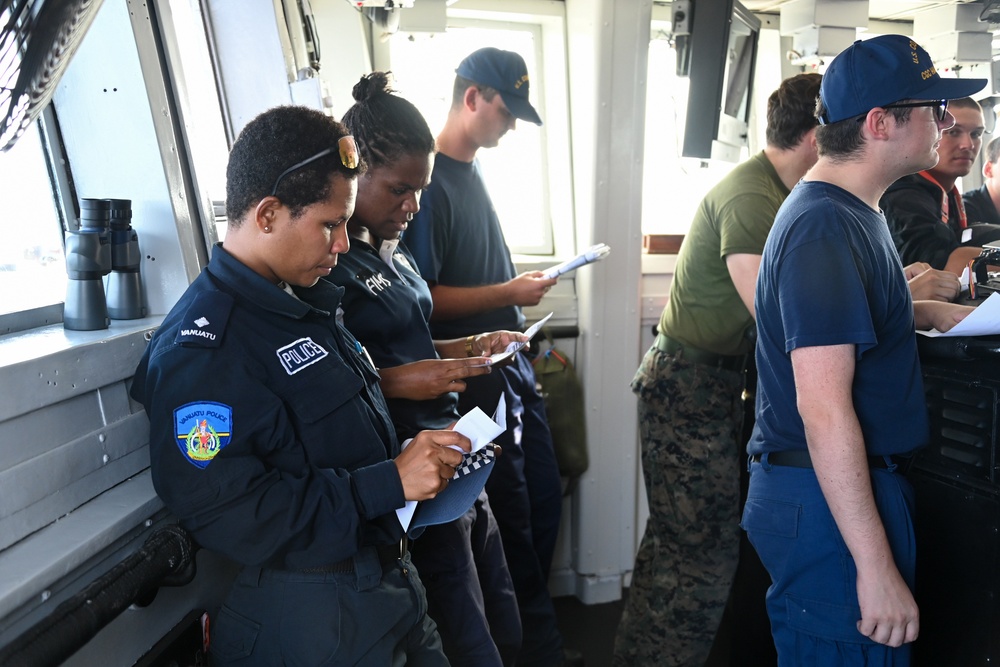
[[966, 234], [964, 278], [517, 345], [478, 428], [591, 254], [983, 321]]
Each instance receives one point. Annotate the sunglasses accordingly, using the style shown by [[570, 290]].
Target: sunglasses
[[940, 107], [346, 146]]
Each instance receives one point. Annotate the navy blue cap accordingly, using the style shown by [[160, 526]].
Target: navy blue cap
[[506, 72], [883, 70]]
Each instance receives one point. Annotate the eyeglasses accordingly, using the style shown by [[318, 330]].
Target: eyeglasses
[[940, 106], [346, 146]]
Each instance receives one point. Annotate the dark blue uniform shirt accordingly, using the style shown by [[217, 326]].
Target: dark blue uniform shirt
[[389, 307], [269, 436], [830, 276], [457, 241]]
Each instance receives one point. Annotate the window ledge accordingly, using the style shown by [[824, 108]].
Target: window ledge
[[658, 264], [23, 346], [51, 364]]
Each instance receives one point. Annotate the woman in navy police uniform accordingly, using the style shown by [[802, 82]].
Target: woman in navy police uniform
[[269, 437]]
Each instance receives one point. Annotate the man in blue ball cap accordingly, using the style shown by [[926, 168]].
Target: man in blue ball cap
[[459, 247], [839, 390], [505, 72]]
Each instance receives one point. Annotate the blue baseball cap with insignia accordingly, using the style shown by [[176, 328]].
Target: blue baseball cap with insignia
[[506, 72], [884, 70]]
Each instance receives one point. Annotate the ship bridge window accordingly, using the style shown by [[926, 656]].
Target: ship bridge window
[[673, 186], [32, 266], [528, 173]]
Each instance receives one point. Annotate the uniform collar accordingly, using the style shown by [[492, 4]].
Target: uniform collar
[[386, 250], [250, 285]]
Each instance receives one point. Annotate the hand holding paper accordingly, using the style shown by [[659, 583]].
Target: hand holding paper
[[516, 346], [983, 321], [470, 474], [591, 254]]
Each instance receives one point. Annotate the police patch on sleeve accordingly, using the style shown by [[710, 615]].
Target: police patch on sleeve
[[202, 430]]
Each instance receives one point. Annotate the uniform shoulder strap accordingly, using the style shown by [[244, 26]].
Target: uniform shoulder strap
[[205, 320]]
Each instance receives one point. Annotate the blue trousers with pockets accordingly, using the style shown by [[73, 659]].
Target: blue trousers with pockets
[[813, 599], [376, 615], [525, 493]]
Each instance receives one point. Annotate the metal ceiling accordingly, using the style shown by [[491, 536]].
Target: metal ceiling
[[886, 10]]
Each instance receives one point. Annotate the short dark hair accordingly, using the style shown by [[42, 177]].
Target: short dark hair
[[790, 110], [271, 143], [385, 126], [462, 84], [842, 140], [965, 103], [993, 150]]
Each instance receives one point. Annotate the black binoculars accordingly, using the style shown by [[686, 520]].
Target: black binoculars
[[105, 243]]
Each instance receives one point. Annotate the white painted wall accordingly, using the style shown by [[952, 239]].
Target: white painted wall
[[607, 95]]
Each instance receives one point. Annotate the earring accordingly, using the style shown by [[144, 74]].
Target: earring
[[267, 229]]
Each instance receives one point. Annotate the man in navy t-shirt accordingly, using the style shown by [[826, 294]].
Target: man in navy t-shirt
[[460, 250], [839, 388]]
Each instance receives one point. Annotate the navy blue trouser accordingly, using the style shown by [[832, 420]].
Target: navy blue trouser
[[526, 496], [470, 594], [813, 599], [376, 615]]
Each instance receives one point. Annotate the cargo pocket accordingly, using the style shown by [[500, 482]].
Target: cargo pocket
[[824, 620], [233, 637]]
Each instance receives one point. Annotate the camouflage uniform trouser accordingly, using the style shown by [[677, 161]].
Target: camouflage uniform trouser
[[689, 421]]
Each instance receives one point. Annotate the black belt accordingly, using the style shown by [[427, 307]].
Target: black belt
[[728, 362], [799, 458], [387, 553]]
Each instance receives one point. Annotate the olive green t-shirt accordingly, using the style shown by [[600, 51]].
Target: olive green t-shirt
[[704, 309]]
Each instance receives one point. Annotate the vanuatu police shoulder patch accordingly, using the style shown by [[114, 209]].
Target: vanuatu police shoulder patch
[[202, 430]]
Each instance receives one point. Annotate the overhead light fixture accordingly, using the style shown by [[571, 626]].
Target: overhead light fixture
[[991, 12]]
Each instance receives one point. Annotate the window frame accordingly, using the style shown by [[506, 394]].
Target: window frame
[[57, 173], [549, 96]]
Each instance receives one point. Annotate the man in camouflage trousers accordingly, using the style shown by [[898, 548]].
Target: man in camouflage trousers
[[690, 388]]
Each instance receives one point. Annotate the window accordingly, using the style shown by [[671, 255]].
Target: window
[[198, 99], [32, 264], [533, 205], [673, 186]]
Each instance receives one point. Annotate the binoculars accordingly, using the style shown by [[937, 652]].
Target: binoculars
[[105, 243]]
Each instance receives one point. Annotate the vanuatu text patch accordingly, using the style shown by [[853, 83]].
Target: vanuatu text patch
[[202, 430]]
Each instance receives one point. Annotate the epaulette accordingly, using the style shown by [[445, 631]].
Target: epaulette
[[205, 321]]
